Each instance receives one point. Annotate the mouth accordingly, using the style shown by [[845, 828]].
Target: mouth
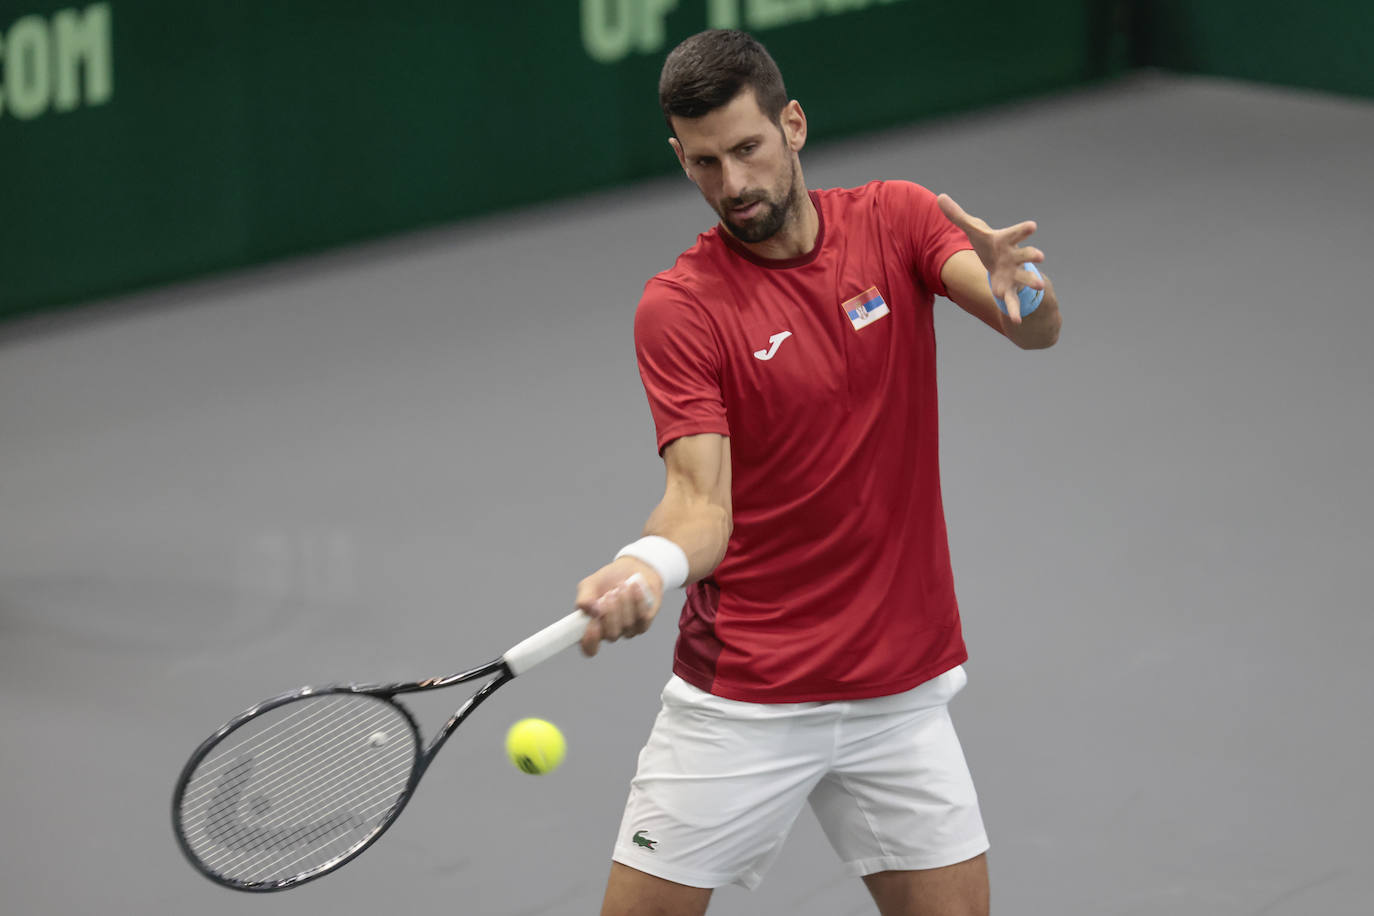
[[747, 211]]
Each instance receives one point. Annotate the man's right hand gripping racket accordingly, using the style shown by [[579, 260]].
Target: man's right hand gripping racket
[[300, 784]]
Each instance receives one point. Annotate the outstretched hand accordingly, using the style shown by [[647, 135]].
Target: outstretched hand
[[1001, 252]]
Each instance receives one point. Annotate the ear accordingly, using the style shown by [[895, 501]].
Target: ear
[[793, 121], [677, 148]]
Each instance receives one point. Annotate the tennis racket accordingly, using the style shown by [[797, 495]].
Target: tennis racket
[[300, 784]]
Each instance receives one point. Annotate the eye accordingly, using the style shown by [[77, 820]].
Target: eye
[[748, 149]]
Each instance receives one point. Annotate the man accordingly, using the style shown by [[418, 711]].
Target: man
[[789, 363]]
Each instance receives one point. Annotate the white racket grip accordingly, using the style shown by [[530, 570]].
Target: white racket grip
[[558, 636], [547, 643]]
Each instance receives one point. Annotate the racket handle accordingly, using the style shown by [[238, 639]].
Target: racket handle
[[545, 644], [556, 637]]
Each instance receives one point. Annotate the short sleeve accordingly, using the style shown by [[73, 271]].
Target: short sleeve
[[679, 360], [932, 237]]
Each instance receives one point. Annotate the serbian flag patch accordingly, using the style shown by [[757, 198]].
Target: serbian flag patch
[[865, 308]]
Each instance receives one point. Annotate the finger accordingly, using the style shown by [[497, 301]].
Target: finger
[[1026, 278], [637, 622], [630, 603], [612, 615], [953, 212], [587, 594], [646, 604], [1021, 231], [591, 638], [1029, 253], [1008, 303]]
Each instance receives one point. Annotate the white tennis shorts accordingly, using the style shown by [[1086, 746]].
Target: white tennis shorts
[[720, 783]]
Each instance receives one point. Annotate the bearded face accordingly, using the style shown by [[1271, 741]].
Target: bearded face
[[759, 215], [745, 164]]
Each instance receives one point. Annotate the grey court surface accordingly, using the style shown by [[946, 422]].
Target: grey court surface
[[396, 460]]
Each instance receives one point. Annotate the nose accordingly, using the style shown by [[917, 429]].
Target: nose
[[732, 178]]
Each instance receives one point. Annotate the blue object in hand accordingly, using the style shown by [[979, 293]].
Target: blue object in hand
[[1029, 296]]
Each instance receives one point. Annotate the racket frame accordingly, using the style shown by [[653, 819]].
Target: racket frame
[[387, 693], [518, 659]]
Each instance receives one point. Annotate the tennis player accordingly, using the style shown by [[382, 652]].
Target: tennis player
[[789, 362]]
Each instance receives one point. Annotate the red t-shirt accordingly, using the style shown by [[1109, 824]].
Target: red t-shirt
[[821, 370]]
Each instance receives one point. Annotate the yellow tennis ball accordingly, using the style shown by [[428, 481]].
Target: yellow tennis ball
[[535, 745]]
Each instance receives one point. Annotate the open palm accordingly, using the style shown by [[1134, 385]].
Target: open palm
[[1001, 252]]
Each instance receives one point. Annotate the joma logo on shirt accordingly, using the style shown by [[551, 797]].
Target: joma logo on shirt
[[775, 340]]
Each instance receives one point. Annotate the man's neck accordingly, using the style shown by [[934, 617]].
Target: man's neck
[[796, 238]]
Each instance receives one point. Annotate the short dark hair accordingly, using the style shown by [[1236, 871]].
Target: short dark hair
[[709, 69]]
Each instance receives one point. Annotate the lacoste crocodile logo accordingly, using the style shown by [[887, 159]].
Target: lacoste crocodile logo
[[641, 840], [776, 340]]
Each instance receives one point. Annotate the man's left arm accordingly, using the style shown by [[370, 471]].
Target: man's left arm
[[997, 268]]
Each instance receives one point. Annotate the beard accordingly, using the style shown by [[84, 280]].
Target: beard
[[777, 209]]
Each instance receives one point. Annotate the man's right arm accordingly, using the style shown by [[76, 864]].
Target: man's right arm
[[694, 514]]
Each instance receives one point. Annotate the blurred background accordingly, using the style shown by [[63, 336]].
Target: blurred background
[[316, 365]]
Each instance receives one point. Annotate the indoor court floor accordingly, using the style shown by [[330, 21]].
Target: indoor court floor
[[396, 460]]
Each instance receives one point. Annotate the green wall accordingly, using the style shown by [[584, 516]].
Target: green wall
[[143, 141], [1324, 44]]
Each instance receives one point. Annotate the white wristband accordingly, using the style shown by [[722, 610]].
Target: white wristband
[[667, 559]]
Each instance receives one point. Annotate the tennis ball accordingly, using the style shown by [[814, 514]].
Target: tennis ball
[[535, 746]]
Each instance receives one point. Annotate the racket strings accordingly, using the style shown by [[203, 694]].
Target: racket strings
[[289, 764], [298, 787], [292, 737]]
